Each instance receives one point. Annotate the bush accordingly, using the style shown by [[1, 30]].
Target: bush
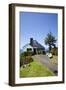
[[22, 58], [30, 60], [25, 58], [54, 51]]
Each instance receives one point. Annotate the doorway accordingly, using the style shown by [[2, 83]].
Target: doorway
[[34, 50]]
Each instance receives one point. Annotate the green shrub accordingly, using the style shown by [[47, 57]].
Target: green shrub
[[25, 58], [54, 51], [22, 58], [30, 60]]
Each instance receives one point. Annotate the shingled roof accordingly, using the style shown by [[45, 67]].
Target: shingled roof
[[35, 44]]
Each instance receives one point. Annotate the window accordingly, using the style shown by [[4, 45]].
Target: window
[[29, 49]]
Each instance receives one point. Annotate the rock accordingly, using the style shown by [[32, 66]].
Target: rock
[[24, 66], [49, 55]]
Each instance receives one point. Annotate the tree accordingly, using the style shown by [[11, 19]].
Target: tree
[[22, 58], [50, 41]]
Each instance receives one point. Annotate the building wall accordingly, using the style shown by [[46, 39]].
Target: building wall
[[27, 46]]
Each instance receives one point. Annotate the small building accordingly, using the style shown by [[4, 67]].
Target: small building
[[34, 47]]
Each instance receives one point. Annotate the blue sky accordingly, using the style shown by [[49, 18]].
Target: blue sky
[[37, 26]]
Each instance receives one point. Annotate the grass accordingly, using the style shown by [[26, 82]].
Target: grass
[[36, 69]]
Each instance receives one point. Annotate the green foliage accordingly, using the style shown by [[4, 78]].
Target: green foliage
[[50, 40], [22, 58], [25, 58], [54, 51], [30, 60]]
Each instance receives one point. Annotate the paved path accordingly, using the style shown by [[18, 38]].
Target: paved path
[[45, 61]]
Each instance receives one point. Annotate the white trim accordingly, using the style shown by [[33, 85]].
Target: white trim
[[38, 79]]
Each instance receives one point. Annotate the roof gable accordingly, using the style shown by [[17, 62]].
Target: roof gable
[[36, 44]]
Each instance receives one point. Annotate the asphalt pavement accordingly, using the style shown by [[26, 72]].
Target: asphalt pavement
[[43, 59]]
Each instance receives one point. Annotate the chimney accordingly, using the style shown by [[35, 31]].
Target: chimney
[[31, 41]]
